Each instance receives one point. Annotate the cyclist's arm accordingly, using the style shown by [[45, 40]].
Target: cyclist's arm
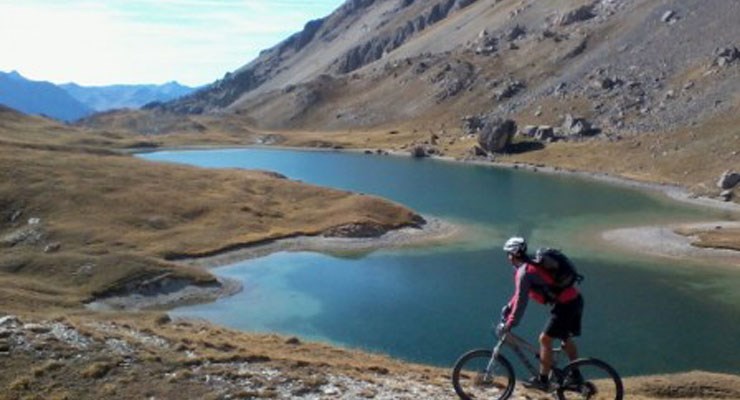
[[518, 302]]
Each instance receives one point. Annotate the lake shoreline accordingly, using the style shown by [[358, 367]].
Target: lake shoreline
[[434, 231], [675, 192], [655, 237]]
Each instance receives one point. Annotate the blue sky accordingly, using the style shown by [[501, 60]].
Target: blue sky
[[100, 42]]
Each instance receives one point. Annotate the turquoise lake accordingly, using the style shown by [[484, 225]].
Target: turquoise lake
[[430, 304]]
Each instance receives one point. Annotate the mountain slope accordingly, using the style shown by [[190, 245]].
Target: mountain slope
[[39, 98], [104, 98], [643, 89], [454, 55]]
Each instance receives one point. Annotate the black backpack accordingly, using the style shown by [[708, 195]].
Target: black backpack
[[560, 267]]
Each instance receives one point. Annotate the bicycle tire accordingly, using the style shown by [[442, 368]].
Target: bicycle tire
[[599, 381], [469, 387]]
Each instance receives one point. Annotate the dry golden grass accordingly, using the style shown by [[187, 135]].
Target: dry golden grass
[[725, 238], [117, 219], [191, 350]]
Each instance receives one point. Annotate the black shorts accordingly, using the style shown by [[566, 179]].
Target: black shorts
[[565, 319]]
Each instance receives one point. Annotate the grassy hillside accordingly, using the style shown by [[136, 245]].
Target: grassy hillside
[[80, 221]]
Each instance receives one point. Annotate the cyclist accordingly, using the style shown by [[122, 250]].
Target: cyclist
[[565, 313]]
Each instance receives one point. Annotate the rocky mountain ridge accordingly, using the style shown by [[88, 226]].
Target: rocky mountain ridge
[[639, 65]]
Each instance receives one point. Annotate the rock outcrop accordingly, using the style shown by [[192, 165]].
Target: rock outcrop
[[580, 14], [375, 48]]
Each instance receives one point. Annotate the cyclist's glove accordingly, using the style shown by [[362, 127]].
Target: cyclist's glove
[[502, 329], [505, 312]]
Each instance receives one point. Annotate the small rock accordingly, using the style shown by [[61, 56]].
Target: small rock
[[10, 321], [529, 130], [293, 341], [580, 14], [15, 215], [330, 391], [52, 247], [34, 221], [726, 195], [726, 56], [86, 269], [544, 133], [36, 328], [604, 83], [728, 180], [668, 16], [379, 370], [576, 126], [515, 33], [419, 152], [472, 124], [478, 151], [163, 319], [510, 90]]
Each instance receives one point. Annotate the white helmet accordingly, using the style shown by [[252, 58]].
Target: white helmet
[[515, 245]]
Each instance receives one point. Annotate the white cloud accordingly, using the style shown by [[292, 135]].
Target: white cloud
[[141, 41]]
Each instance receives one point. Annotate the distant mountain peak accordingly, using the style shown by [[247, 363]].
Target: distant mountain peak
[[15, 75]]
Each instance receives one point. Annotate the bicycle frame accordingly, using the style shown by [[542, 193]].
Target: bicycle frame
[[599, 376], [519, 345]]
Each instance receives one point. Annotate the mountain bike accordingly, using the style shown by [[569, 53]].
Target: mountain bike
[[488, 374]]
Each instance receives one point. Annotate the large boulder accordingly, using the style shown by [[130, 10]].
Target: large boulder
[[496, 134], [728, 180]]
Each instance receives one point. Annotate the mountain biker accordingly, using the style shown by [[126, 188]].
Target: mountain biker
[[565, 313]]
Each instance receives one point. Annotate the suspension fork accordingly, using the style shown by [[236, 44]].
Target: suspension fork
[[496, 352]]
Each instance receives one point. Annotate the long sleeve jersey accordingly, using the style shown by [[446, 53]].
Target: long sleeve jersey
[[530, 281]]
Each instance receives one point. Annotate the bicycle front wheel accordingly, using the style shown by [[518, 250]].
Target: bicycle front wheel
[[477, 375], [591, 379]]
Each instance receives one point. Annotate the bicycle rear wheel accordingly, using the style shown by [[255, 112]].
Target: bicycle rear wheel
[[590, 379], [473, 379]]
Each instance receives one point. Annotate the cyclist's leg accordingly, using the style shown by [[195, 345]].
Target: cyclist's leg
[[564, 324], [569, 345], [575, 314], [545, 354]]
